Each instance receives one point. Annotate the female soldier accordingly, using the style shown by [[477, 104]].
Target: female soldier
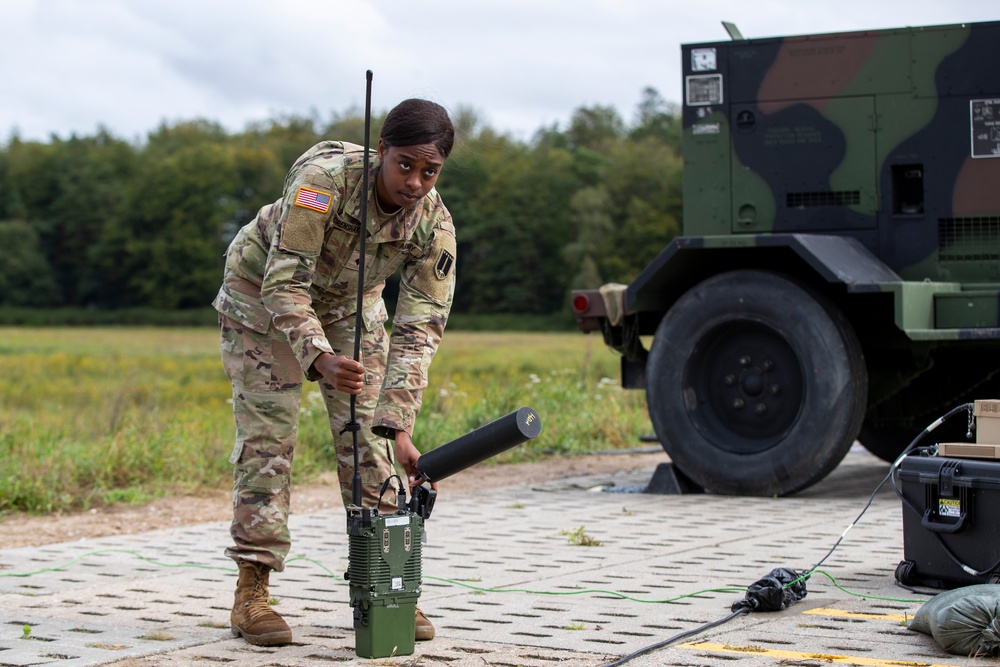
[[287, 308]]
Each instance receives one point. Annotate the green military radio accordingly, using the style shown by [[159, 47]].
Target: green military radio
[[384, 555], [384, 575], [384, 566]]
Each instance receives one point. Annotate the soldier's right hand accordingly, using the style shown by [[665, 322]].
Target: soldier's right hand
[[343, 373]]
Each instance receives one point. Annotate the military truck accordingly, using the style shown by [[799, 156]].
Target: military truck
[[838, 273]]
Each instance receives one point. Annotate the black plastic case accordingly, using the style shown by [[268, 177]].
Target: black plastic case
[[951, 512]]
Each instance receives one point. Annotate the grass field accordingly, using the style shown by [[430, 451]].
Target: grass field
[[91, 416]]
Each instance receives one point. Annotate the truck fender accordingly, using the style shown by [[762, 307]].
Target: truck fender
[[688, 260]]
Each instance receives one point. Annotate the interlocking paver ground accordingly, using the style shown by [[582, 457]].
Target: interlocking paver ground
[[163, 597]]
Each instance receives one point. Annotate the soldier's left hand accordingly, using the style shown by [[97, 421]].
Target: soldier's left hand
[[407, 456]]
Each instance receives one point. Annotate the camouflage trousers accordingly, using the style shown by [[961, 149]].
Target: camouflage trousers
[[267, 392]]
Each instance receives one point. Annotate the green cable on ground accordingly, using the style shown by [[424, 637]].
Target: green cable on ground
[[314, 562], [114, 551], [582, 591], [862, 595], [151, 561], [592, 591]]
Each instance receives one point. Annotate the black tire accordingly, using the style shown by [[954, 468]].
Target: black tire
[[755, 384]]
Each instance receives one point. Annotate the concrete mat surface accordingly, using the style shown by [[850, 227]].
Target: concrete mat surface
[[657, 566]]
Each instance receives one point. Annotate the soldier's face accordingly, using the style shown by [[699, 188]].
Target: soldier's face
[[407, 174]]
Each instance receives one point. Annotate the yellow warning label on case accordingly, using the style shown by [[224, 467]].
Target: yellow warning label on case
[[949, 507]]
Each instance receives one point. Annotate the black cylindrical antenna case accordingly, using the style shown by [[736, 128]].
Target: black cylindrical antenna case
[[478, 445]]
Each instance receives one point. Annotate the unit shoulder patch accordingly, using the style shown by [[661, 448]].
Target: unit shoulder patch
[[444, 264], [435, 275]]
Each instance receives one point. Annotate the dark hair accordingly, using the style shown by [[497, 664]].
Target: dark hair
[[416, 121]]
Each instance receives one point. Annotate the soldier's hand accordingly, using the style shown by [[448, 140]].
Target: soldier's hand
[[343, 373], [407, 456]]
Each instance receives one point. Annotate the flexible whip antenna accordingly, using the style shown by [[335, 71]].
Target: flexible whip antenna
[[353, 426]]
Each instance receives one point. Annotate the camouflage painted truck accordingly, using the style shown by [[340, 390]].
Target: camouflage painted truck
[[838, 276]]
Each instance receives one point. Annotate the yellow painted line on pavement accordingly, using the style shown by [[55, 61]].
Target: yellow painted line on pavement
[[802, 655], [854, 614]]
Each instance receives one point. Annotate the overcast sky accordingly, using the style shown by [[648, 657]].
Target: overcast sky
[[71, 65]]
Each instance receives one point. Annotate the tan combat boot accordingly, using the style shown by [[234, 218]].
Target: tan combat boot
[[252, 615], [422, 628]]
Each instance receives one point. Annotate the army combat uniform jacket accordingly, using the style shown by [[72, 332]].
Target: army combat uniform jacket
[[289, 294], [295, 268]]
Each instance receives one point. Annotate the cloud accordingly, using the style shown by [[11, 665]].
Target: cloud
[[68, 66]]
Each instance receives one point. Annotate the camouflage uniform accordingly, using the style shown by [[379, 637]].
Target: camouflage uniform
[[289, 294]]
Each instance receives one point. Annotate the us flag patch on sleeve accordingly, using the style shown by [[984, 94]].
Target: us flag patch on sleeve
[[314, 199]]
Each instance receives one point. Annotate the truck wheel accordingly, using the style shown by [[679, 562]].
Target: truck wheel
[[755, 384]]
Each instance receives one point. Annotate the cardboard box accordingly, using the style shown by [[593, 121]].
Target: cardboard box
[[987, 414], [968, 450]]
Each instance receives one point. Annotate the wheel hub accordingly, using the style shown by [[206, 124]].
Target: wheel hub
[[749, 386], [753, 383]]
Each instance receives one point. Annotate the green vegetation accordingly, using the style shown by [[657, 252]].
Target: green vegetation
[[580, 538], [97, 224], [75, 317], [90, 416], [102, 232]]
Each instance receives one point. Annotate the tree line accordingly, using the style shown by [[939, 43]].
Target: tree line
[[101, 222]]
